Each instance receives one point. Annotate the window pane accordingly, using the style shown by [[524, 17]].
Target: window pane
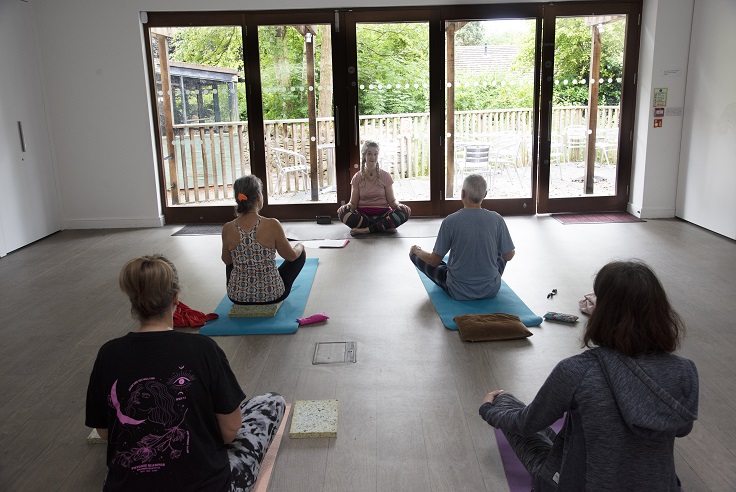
[[584, 151], [490, 96], [393, 101], [200, 96], [296, 80]]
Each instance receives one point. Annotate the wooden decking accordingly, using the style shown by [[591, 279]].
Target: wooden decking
[[507, 184]]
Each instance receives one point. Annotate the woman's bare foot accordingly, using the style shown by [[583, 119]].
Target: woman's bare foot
[[359, 231], [390, 231]]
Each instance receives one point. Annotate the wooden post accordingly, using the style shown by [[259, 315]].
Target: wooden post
[[216, 102], [309, 40], [193, 157], [205, 170], [231, 140], [223, 165], [183, 151], [451, 29], [592, 116], [163, 53], [214, 162]]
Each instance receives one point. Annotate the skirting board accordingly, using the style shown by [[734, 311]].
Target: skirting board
[[114, 223], [650, 213]]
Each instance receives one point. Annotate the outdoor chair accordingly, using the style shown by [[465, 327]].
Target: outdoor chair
[[606, 141], [576, 137], [507, 154], [474, 159], [557, 152], [290, 162]]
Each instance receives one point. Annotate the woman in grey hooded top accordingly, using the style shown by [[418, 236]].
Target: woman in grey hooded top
[[624, 401]]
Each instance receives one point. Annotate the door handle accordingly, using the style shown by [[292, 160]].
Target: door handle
[[22, 138], [355, 114]]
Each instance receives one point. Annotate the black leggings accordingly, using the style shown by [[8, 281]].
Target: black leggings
[[289, 271], [390, 219]]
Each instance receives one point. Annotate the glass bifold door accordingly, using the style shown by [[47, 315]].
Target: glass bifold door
[[535, 98]]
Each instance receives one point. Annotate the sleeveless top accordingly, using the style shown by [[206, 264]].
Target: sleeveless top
[[255, 277]]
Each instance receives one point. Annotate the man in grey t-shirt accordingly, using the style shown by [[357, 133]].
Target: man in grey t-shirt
[[479, 244]]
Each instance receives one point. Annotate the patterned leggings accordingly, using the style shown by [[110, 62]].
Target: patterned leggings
[[262, 416], [390, 219]]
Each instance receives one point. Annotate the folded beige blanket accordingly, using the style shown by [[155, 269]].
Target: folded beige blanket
[[489, 327]]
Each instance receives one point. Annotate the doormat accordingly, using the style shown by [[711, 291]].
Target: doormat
[[200, 230], [596, 218]]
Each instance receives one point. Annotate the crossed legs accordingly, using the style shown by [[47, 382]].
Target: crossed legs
[[361, 223], [261, 417]]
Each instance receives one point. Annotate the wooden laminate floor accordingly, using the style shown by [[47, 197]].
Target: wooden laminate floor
[[408, 414]]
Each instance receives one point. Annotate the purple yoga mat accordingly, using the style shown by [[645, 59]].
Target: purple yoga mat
[[517, 477]]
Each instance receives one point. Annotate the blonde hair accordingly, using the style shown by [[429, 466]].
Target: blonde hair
[[150, 282], [366, 145]]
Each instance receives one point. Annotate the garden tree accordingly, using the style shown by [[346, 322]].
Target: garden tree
[[324, 97], [471, 34], [476, 90], [572, 60], [283, 67], [393, 68]]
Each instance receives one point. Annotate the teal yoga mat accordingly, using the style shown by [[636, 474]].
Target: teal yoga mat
[[285, 320], [505, 302]]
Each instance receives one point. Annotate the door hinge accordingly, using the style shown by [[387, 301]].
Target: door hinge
[[337, 21]]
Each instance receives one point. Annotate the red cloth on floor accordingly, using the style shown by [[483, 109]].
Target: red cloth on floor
[[186, 317]]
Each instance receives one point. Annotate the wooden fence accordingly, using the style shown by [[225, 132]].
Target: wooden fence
[[209, 157]]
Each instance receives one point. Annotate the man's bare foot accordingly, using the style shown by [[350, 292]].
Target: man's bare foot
[[390, 231], [359, 231]]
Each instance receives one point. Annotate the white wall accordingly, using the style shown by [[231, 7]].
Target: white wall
[[705, 192], [98, 99], [94, 60], [663, 63]]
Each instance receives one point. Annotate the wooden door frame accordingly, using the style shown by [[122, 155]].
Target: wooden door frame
[[347, 151], [619, 201]]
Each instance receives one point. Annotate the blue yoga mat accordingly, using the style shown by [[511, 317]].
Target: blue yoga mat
[[505, 302], [285, 319]]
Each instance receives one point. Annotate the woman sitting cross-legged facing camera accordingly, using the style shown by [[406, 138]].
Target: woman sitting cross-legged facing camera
[[249, 246], [625, 400], [373, 206], [167, 402]]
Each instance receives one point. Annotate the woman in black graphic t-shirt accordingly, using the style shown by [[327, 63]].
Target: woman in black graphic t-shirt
[[168, 403]]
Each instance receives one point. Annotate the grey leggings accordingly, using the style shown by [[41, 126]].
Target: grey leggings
[[532, 450], [261, 416]]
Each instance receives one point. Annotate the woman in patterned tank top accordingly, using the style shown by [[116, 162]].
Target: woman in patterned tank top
[[249, 247]]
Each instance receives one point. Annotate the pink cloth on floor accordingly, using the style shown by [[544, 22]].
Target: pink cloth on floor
[[315, 318]]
